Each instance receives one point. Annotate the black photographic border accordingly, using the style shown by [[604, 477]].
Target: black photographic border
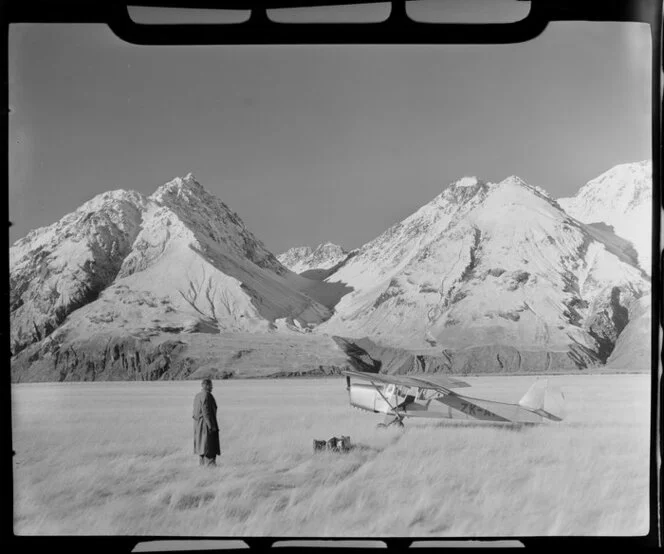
[[398, 28]]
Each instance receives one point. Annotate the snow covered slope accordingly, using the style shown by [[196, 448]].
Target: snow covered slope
[[485, 277], [490, 264], [57, 269], [622, 198], [303, 258], [177, 261]]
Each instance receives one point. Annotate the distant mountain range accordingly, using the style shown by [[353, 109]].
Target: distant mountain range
[[302, 258], [496, 273], [622, 199]]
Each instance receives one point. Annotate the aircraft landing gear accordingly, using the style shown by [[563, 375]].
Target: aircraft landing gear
[[397, 421]]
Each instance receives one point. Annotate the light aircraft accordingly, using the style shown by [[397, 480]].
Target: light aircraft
[[400, 396]]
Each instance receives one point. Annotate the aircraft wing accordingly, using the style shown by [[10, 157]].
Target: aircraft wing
[[438, 382]]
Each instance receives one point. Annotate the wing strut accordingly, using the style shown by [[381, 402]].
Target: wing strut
[[397, 419]]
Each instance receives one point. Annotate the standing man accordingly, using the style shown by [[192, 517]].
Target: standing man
[[206, 430]]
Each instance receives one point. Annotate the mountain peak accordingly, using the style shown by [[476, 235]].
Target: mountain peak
[[188, 181], [304, 258], [484, 265], [111, 196], [632, 166], [630, 177], [515, 179], [461, 191], [186, 187], [329, 247], [622, 198], [467, 181]]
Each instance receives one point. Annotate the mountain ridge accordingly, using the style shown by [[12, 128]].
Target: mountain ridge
[[621, 198], [300, 259], [179, 248], [489, 275], [462, 234]]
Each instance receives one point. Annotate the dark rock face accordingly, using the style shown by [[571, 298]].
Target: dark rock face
[[365, 355], [135, 358], [607, 324], [311, 371], [117, 359], [175, 356], [508, 359]]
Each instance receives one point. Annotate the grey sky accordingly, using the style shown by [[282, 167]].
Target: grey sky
[[316, 143]]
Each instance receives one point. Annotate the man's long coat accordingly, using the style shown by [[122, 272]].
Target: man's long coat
[[206, 429]]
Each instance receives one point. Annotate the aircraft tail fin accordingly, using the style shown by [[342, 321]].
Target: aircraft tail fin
[[545, 400]]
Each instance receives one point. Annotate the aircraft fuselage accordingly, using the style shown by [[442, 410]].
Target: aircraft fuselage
[[412, 402]]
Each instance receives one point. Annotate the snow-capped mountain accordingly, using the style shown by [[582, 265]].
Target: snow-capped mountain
[[178, 260], [302, 258], [621, 198], [491, 264], [57, 269], [485, 277]]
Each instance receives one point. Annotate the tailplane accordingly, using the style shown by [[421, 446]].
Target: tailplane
[[545, 400]]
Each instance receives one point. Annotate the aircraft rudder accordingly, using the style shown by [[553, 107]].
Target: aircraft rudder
[[545, 399], [534, 397]]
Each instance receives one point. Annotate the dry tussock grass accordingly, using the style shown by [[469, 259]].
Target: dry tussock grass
[[115, 458]]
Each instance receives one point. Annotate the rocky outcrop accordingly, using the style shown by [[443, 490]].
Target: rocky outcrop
[[173, 356], [366, 355], [607, 323], [632, 349], [186, 356], [508, 359], [104, 359]]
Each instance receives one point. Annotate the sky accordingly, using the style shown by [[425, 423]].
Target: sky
[[319, 143]]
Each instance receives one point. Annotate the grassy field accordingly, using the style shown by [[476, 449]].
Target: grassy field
[[116, 458]]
